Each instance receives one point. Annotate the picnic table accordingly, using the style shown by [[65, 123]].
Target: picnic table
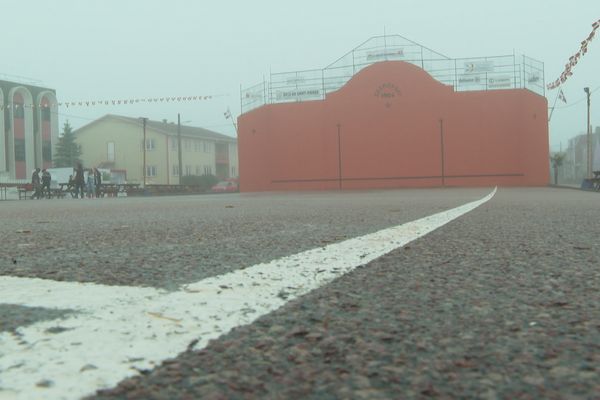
[[596, 180], [113, 189], [592, 183]]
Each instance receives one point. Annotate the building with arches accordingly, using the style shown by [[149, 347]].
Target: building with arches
[[29, 127], [392, 113]]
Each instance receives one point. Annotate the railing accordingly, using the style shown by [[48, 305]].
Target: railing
[[463, 74], [222, 158]]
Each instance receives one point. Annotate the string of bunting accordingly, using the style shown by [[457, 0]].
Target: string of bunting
[[91, 103], [574, 58]]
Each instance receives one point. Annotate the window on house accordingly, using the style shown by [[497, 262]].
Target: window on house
[[151, 170], [206, 147], [233, 171], [174, 143], [196, 145], [175, 170], [198, 170], [207, 170], [188, 170], [150, 144], [187, 144], [110, 151]]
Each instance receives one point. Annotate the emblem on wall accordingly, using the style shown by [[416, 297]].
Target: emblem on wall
[[388, 92]]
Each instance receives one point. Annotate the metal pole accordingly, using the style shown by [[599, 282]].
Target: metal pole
[[339, 157], [179, 146], [589, 135], [442, 150], [144, 167], [553, 105]]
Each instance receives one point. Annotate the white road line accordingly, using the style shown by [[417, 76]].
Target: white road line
[[116, 331]]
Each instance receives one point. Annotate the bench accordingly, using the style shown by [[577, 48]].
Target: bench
[[58, 193], [24, 191]]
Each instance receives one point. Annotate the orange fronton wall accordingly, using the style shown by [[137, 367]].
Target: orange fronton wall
[[392, 125]]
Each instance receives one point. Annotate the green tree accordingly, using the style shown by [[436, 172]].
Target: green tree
[[67, 150], [203, 182], [557, 161]]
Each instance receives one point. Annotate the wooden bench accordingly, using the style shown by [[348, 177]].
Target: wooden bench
[[25, 191], [58, 193]]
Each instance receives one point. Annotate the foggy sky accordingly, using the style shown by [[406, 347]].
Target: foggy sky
[[117, 49]]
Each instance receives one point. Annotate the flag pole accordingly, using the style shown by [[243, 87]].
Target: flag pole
[[553, 105]]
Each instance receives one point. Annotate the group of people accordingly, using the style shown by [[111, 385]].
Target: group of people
[[77, 184], [41, 184]]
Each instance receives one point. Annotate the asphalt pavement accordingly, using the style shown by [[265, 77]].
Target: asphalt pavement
[[501, 303]]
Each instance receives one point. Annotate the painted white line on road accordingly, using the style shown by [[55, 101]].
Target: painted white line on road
[[116, 331]]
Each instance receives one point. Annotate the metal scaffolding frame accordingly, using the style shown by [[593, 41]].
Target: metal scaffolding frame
[[463, 74]]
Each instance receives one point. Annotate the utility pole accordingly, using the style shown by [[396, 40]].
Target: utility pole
[[144, 146], [179, 146], [339, 137], [589, 135], [442, 152]]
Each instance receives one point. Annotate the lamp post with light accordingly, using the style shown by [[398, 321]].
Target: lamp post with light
[[589, 135]]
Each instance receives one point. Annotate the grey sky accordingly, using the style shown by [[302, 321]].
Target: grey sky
[[117, 49]]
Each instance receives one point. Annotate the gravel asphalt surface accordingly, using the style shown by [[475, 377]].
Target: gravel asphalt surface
[[503, 303]]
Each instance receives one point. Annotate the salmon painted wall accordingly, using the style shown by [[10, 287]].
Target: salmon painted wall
[[385, 128]]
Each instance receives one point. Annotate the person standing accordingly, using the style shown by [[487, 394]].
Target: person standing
[[79, 180], [97, 181], [90, 184], [35, 182], [46, 179]]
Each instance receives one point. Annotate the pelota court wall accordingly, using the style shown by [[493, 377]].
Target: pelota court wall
[[392, 125]]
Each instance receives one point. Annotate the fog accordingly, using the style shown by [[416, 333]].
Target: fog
[[116, 49]]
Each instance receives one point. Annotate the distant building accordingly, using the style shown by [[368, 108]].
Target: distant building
[[28, 128], [116, 142], [574, 168]]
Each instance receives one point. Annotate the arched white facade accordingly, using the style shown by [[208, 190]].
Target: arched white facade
[[3, 168], [30, 157], [41, 105]]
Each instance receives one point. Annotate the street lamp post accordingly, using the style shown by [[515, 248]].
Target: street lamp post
[[589, 135], [180, 164], [144, 147], [339, 138]]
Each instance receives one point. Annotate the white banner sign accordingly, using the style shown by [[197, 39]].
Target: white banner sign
[[385, 54], [299, 94], [502, 81], [478, 66]]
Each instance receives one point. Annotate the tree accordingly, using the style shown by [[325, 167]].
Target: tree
[[557, 161], [67, 150], [203, 182]]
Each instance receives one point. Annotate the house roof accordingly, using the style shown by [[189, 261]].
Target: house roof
[[167, 128]]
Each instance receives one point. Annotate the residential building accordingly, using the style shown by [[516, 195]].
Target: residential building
[[28, 129], [117, 142]]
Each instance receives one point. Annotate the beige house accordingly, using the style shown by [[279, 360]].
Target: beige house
[[116, 142]]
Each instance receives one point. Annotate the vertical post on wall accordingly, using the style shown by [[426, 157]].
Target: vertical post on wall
[[589, 135], [144, 148], [180, 164], [339, 156], [514, 70], [442, 152]]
